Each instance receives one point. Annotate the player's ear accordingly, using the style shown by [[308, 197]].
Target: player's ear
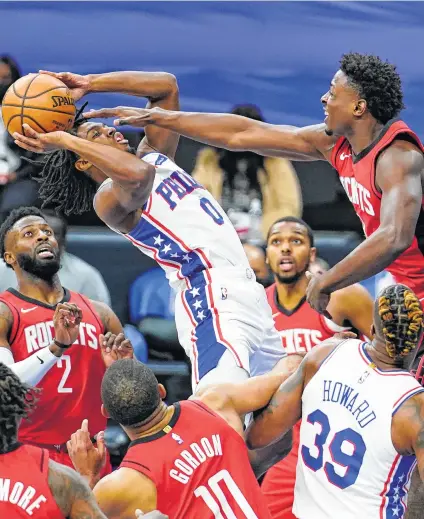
[[82, 165], [162, 391], [104, 412], [9, 258], [313, 254]]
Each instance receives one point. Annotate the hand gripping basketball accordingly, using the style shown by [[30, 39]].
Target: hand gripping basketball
[[78, 85], [39, 142], [66, 321]]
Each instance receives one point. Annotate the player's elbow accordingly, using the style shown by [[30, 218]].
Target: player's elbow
[[140, 176], [170, 83], [399, 238]]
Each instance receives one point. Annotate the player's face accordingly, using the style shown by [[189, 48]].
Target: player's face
[[289, 251], [340, 105], [32, 245], [97, 132]]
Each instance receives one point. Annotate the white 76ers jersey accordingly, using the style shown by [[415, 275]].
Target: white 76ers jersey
[[183, 227], [348, 467]]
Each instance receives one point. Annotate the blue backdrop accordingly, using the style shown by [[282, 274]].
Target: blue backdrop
[[280, 56]]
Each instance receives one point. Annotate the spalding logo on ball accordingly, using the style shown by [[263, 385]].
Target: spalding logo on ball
[[41, 101]]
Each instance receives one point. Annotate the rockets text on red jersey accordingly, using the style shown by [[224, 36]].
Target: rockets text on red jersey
[[24, 488], [301, 328], [357, 175], [71, 389], [200, 467]]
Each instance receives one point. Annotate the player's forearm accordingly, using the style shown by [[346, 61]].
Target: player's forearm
[[32, 369], [119, 165], [255, 393], [228, 131], [153, 85], [263, 459], [368, 259]]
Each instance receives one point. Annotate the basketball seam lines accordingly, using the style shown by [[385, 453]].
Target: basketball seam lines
[[41, 93], [30, 118], [40, 108], [23, 103]]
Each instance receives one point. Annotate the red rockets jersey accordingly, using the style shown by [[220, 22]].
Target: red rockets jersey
[[357, 175], [200, 467], [301, 328], [71, 389], [25, 491]]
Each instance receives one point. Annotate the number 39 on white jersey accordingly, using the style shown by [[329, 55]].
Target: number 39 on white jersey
[[183, 227], [348, 467]]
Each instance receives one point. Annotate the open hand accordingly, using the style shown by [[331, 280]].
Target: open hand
[[66, 320], [88, 460], [78, 85], [127, 115], [39, 142], [115, 347]]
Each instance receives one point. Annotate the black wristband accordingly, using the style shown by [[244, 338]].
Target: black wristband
[[63, 346]]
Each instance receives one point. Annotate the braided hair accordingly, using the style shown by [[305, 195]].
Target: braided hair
[[62, 186], [17, 400], [401, 317]]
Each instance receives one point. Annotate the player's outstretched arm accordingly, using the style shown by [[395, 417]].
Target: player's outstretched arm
[[72, 494], [399, 175], [232, 132]]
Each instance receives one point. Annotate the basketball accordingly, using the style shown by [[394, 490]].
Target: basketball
[[39, 100]]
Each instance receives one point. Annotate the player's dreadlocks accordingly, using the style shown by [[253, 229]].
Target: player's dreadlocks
[[401, 317], [61, 184], [377, 82], [16, 401]]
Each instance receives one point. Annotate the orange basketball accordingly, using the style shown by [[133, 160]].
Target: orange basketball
[[39, 100]]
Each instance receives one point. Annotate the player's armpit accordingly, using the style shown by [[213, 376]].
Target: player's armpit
[[118, 208], [123, 491], [72, 494]]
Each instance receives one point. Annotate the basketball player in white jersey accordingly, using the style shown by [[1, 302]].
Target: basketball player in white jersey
[[362, 429], [222, 314]]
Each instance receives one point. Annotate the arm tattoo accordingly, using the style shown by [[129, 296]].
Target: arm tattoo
[[72, 494], [291, 384], [415, 497]]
